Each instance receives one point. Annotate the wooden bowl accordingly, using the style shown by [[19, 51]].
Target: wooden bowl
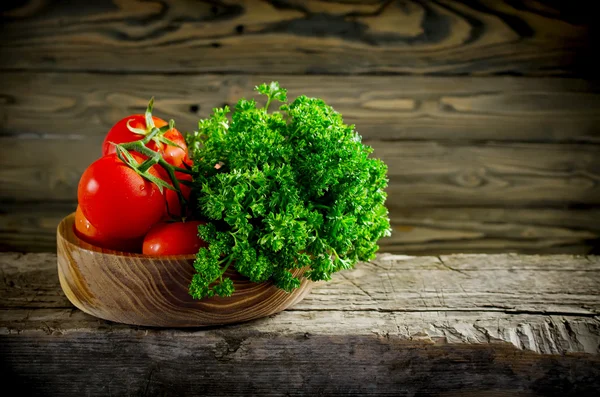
[[153, 291]]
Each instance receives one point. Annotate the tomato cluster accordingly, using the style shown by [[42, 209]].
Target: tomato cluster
[[123, 208]]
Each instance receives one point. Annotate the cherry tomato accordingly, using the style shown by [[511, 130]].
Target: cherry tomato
[[175, 238], [120, 133], [117, 201], [88, 233]]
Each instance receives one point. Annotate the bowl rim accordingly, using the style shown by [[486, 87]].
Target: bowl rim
[[74, 240]]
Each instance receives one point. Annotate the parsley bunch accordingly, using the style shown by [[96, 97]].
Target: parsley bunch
[[284, 190]]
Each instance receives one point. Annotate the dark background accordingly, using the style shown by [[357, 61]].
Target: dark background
[[487, 112]]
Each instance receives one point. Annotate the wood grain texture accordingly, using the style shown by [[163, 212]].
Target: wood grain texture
[[396, 326], [504, 283], [274, 357], [426, 231], [494, 174], [422, 174], [460, 169], [433, 75], [31, 227], [82, 105], [302, 37], [153, 291]]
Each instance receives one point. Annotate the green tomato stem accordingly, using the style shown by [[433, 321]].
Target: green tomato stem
[[148, 114], [153, 159], [155, 134]]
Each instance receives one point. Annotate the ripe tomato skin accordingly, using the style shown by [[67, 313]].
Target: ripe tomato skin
[[175, 238], [172, 199], [118, 201], [119, 133], [88, 233], [174, 155], [174, 206]]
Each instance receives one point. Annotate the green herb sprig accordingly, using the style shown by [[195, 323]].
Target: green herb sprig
[[286, 190]]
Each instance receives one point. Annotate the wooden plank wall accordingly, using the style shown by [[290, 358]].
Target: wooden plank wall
[[487, 112]]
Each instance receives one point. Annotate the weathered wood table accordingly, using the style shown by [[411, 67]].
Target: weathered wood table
[[452, 325]]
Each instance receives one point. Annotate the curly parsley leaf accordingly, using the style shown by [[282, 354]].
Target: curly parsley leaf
[[272, 91], [285, 190]]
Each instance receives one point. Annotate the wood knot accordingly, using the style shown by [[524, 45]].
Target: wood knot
[[227, 347], [471, 178]]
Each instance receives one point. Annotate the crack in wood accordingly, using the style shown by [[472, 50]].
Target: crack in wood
[[484, 331], [358, 287], [452, 310], [572, 334], [450, 331], [451, 268], [149, 380], [375, 264]]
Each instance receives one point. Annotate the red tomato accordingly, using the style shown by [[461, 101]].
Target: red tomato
[[176, 238], [88, 233], [119, 133], [174, 155], [118, 201], [174, 206]]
